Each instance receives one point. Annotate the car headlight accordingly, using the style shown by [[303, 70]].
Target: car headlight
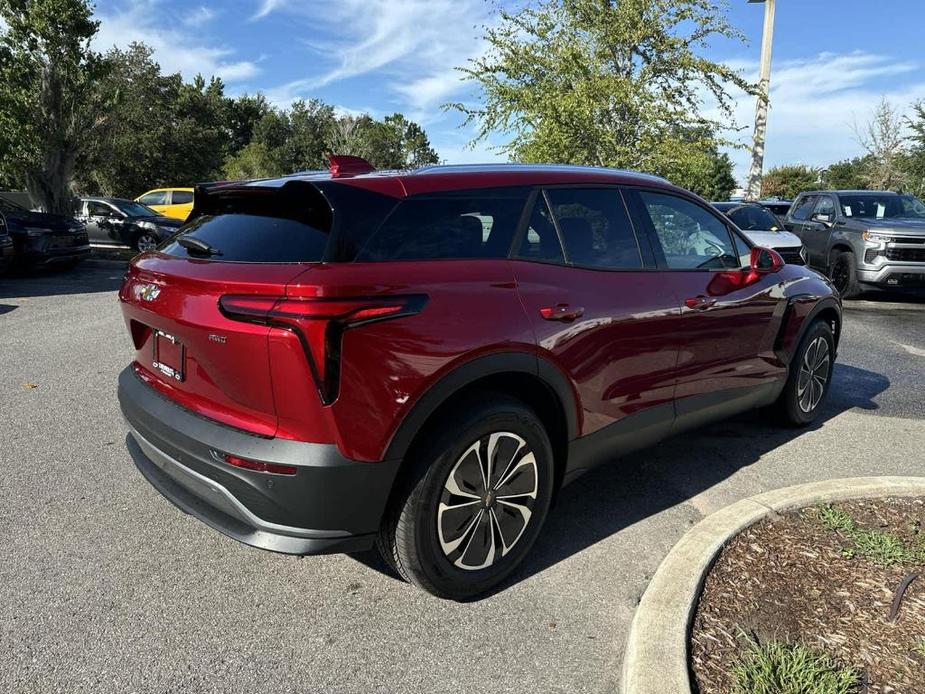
[[877, 238], [37, 231], [804, 256]]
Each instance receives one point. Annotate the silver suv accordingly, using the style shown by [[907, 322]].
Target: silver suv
[[862, 239]]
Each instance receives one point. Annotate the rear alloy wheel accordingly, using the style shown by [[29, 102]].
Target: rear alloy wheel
[[146, 241], [843, 273], [473, 503], [810, 375]]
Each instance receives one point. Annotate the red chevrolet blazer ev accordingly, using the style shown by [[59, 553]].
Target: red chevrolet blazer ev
[[417, 360]]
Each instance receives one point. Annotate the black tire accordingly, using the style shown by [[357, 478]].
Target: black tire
[[844, 273], [409, 539], [794, 399], [145, 241]]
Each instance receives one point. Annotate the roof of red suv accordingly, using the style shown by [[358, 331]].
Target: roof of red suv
[[460, 177]]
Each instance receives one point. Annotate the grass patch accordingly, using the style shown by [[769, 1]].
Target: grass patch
[[781, 668], [882, 548]]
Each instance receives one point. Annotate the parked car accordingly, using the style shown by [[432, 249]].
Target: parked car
[[44, 239], [780, 208], [6, 246], [862, 239], [419, 360], [170, 202], [114, 222], [763, 228]]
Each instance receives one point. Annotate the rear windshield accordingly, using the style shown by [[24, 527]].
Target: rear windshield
[[290, 224]]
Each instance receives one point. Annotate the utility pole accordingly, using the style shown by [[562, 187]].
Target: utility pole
[[753, 191]]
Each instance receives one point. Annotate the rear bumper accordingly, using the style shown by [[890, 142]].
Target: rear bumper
[[331, 504]]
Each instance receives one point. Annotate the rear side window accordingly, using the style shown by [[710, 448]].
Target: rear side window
[[595, 227], [290, 224], [468, 224], [181, 197]]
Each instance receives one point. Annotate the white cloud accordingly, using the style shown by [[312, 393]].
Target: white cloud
[[174, 48], [816, 101], [266, 7], [414, 44], [198, 17]]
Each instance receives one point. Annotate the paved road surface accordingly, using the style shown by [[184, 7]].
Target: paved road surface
[[106, 587]]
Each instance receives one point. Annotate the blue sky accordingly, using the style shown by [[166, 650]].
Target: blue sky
[[833, 60]]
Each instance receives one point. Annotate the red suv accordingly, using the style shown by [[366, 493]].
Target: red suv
[[328, 362]]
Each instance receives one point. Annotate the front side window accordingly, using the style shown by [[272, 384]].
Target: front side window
[[157, 198], [804, 207], [826, 206], [595, 227], [469, 224], [691, 237]]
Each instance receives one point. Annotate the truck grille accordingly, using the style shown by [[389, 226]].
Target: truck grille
[[791, 255], [906, 255]]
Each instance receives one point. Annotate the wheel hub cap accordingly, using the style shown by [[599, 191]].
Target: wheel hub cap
[[487, 501]]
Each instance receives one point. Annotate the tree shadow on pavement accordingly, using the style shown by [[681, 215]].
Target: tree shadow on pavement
[[90, 276], [615, 496]]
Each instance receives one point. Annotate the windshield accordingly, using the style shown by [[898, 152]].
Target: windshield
[[754, 218], [882, 206], [135, 209]]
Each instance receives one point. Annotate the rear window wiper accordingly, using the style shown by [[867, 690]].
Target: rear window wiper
[[197, 246]]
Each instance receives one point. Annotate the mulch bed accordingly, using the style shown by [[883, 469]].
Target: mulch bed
[[787, 578]]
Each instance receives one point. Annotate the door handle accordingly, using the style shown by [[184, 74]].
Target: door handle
[[699, 303], [562, 312]]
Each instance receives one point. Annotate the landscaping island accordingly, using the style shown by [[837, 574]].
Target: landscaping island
[[826, 600]]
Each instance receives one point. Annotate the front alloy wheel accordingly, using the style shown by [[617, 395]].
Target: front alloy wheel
[[146, 241], [814, 374]]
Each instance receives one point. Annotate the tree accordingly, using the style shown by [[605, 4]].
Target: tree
[[198, 141], [786, 182], [849, 174], [884, 142], [392, 143], [914, 162], [49, 110], [605, 83], [135, 152]]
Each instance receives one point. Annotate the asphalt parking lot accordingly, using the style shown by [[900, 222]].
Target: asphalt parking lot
[[106, 587]]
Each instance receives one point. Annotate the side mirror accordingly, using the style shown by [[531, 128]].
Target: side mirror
[[823, 217], [765, 260]]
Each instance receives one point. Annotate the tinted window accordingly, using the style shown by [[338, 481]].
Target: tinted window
[[690, 236], [595, 228], [803, 207], [99, 209], [754, 218], [180, 197], [290, 224], [540, 242], [469, 224], [154, 198]]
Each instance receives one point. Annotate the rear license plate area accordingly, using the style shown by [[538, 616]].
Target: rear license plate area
[[169, 355]]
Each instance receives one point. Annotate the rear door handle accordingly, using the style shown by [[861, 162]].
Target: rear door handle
[[562, 312], [699, 303]]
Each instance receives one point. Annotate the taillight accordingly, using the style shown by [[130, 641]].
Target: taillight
[[319, 324]]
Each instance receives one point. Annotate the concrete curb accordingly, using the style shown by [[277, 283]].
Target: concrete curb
[[656, 656]]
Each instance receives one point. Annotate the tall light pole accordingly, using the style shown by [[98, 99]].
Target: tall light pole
[[753, 191]]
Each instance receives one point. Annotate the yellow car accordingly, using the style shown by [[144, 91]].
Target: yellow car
[[170, 202]]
